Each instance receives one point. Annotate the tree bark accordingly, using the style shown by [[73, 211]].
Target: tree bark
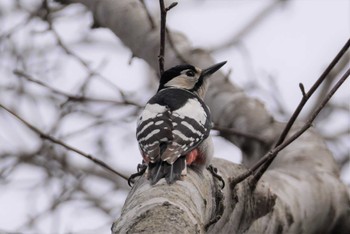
[[300, 192]]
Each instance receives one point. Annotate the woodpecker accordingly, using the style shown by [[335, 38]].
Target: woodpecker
[[173, 129]]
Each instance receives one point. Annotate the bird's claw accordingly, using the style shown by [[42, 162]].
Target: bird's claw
[[214, 171], [141, 168]]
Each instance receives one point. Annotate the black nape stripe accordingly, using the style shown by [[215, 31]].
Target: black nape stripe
[[174, 98]]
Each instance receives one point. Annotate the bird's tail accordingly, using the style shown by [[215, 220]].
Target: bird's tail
[[162, 169]]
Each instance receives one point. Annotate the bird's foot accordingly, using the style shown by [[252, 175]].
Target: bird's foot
[[214, 171], [141, 168], [219, 198]]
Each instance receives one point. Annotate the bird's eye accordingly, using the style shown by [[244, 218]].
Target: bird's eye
[[190, 73]]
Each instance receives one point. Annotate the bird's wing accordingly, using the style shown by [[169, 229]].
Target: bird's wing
[[154, 130], [190, 126]]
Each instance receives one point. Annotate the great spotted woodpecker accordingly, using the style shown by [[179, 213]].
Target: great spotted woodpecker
[[173, 129]]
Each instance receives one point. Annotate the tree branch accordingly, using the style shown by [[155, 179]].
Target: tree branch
[[163, 13], [68, 147], [307, 95], [333, 74], [192, 205], [72, 97], [267, 159]]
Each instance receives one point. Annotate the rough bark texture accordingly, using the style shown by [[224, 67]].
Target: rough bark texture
[[300, 193]]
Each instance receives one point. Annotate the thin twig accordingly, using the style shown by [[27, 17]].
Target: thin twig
[[71, 97], [306, 126], [168, 34], [302, 89], [58, 142], [163, 13], [305, 98], [68, 51], [273, 153], [267, 159], [307, 95], [341, 65], [162, 36]]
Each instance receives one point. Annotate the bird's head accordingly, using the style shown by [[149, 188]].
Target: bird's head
[[188, 77]]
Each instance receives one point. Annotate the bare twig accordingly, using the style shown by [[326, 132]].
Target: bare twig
[[163, 12], [168, 34], [68, 51], [302, 89], [58, 142], [307, 95], [267, 159], [343, 62], [71, 97], [306, 126], [162, 36], [273, 153]]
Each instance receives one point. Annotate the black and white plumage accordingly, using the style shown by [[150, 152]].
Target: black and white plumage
[[173, 129]]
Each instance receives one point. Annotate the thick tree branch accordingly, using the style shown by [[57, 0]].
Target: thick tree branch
[[190, 206]]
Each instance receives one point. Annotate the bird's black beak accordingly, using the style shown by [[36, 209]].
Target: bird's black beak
[[210, 70]]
